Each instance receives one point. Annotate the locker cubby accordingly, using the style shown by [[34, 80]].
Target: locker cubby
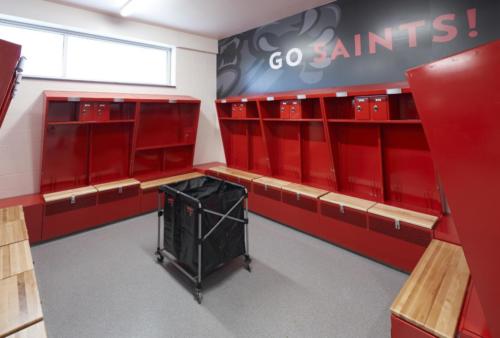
[[306, 108], [137, 136], [341, 108]]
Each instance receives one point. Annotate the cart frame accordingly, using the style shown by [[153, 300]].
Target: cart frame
[[162, 254]]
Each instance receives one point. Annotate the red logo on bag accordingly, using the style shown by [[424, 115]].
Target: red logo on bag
[[190, 211], [170, 201]]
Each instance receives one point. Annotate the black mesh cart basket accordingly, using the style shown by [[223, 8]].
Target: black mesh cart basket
[[205, 225]]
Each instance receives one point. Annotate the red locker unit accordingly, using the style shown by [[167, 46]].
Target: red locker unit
[[99, 142], [379, 108], [10, 74], [295, 109], [362, 108], [284, 110]]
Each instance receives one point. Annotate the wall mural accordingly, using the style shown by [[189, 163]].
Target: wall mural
[[351, 42]]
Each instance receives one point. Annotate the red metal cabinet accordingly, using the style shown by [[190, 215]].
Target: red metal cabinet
[[401, 230], [10, 55], [379, 108], [284, 110], [149, 200], [266, 201], [239, 110], [86, 112], [362, 108], [300, 212], [119, 203], [102, 111], [295, 109], [344, 214], [67, 216]]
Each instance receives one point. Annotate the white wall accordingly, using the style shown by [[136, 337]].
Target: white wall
[[21, 133]]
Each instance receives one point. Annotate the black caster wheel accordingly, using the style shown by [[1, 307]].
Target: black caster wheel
[[198, 296], [248, 268], [248, 260], [159, 258]]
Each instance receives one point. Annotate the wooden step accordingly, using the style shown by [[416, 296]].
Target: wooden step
[[348, 201], [67, 194], [305, 190], [432, 297], [271, 182], [116, 185], [405, 215]]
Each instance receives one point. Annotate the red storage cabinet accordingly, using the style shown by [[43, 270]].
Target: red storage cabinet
[[379, 108], [86, 112], [400, 230], [362, 108], [10, 71]]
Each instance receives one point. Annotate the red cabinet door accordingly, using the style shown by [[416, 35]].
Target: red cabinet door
[[344, 214], [362, 108], [9, 54], [379, 108], [401, 230]]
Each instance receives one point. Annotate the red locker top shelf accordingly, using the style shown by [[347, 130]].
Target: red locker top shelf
[[117, 97], [374, 89]]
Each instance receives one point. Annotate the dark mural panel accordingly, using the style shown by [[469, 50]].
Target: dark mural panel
[[351, 42]]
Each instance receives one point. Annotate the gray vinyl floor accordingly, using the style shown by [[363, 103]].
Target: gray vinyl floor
[[105, 283]]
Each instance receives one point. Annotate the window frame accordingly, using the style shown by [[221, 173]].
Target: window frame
[[70, 31]]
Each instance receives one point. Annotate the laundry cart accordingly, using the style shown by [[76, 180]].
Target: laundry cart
[[205, 225]]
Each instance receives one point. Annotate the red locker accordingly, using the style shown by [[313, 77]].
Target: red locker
[[284, 110], [10, 71], [238, 110], [379, 108], [362, 108], [295, 109]]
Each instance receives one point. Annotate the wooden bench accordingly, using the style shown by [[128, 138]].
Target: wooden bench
[[398, 214], [69, 195], [348, 201], [153, 184], [432, 297], [15, 258], [20, 305], [244, 175], [117, 185], [271, 182], [304, 190]]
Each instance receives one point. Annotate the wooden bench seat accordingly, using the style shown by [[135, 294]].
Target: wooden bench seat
[[432, 297], [153, 184], [304, 190], [348, 201], [15, 258], [408, 216], [271, 182], [13, 232], [20, 304], [244, 175], [116, 185], [37, 330], [11, 214], [67, 194]]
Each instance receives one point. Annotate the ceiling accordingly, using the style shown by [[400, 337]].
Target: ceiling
[[211, 18]]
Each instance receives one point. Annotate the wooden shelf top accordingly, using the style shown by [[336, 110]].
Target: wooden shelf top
[[19, 303], [244, 175], [37, 330], [62, 195], [98, 96], [408, 216], [432, 296], [271, 182], [169, 180], [348, 201], [11, 214], [117, 184], [304, 190], [15, 258], [13, 232]]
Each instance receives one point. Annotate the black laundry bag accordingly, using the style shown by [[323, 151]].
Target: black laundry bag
[[181, 220]]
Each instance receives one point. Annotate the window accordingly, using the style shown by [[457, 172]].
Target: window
[[71, 55]]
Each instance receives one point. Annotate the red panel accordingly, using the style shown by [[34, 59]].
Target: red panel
[[357, 148], [122, 111], [457, 99], [64, 111], [149, 200], [110, 152], [86, 112], [235, 138], [258, 161], [284, 145], [408, 168], [403, 329], [188, 114], [362, 108], [379, 108], [405, 232], [9, 54], [178, 159], [65, 157], [340, 108], [114, 205], [473, 324], [267, 202], [300, 212], [148, 162], [159, 125], [63, 218], [316, 160], [445, 230]]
